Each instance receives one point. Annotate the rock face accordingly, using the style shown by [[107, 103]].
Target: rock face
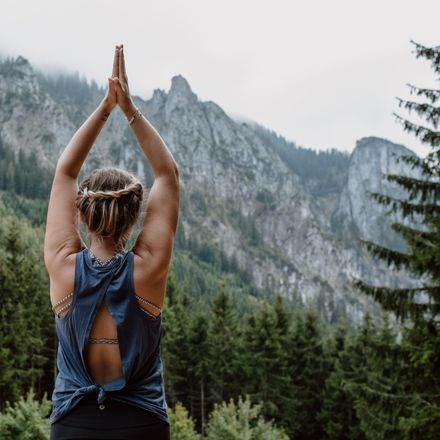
[[235, 190], [370, 161], [29, 117]]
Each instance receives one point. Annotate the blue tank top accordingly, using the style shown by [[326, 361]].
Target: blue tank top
[[139, 335]]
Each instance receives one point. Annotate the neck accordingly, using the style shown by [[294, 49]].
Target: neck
[[104, 249]]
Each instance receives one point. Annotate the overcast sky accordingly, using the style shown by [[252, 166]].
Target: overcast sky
[[321, 73]]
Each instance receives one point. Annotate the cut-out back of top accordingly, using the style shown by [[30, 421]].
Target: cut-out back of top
[[99, 263], [104, 300]]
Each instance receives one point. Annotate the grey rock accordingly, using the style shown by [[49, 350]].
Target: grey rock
[[295, 249]]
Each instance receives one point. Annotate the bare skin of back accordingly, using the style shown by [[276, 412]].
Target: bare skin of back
[[103, 361]]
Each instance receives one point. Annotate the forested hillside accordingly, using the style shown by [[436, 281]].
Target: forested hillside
[[265, 335]]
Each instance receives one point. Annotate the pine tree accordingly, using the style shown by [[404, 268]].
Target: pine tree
[[421, 304], [309, 368], [338, 415], [287, 400], [241, 420], [224, 336], [199, 369], [422, 376], [182, 425], [422, 258], [267, 378], [175, 349], [377, 381], [23, 310], [26, 419]]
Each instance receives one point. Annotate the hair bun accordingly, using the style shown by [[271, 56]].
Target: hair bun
[[110, 201]]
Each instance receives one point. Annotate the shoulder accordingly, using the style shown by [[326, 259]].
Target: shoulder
[[148, 266], [61, 264], [149, 279], [61, 269]]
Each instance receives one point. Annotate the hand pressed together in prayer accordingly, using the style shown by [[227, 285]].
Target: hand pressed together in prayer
[[118, 92]]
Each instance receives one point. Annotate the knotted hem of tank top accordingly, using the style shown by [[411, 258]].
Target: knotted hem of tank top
[[100, 389], [93, 388], [76, 398]]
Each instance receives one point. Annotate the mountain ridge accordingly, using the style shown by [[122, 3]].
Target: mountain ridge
[[238, 191]]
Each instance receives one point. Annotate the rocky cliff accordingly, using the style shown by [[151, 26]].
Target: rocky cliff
[[237, 192]]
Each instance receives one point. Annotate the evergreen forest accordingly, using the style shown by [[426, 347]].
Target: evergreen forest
[[241, 363]]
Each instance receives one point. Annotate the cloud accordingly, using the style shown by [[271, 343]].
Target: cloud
[[322, 74]]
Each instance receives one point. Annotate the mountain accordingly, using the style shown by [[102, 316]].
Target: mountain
[[289, 219]]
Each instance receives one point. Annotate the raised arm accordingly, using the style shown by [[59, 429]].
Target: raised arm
[[154, 244], [62, 236]]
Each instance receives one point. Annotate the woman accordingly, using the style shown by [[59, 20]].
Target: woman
[[108, 300]]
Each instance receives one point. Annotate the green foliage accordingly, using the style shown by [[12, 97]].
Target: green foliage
[[24, 308], [337, 415], [199, 352], [201, 279], [400, 395], [199, 384], [223, 347], [420, 349], [371, 392], [241, 421], [176, 351], [26, 419], [309, 384], [182, 425], [266, 362], [33, 210], [21, 173], [369, 361], [310, 366]]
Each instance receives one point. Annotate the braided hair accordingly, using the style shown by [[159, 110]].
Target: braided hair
[[110, 200]]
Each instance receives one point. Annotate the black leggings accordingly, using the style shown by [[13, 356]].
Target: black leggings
[[116, 421]]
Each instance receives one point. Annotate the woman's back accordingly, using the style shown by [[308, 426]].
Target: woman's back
[[128, 368], [103, 358]]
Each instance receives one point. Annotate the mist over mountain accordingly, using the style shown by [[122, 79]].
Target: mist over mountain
[[284, 218]]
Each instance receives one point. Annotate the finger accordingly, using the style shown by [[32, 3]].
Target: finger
[[118, 85], [116, 63], [111, 85], [122, 71]]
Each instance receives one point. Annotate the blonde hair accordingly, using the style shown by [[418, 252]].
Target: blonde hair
[[110, 199]]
